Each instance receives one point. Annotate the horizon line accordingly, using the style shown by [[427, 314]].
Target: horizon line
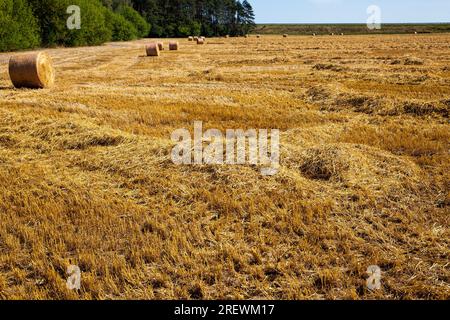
[[343, 23]]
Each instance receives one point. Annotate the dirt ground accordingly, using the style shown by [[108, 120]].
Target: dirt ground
[[86, 176]]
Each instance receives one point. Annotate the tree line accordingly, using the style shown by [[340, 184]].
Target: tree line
[[26, 24]]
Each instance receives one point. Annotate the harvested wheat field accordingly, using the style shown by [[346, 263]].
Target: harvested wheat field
[[86, 176]]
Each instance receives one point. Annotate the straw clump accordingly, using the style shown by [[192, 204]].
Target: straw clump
[[32, 70], [360, 166]]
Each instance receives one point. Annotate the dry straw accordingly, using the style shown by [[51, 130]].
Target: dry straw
[[161, 46], [152, 49], [191, 38], [173, 45], [285, 35], [31, 70], [201, 41]]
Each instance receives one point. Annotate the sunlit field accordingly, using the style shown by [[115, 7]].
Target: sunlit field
[[86, 176]]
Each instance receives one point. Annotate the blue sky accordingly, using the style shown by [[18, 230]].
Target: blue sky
[[349, 11]]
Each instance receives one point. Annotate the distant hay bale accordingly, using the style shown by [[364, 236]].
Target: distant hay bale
[[152, 49], [174, 46], [31, 70], [314, 34], [285, 35], [200, 41], [227, 36], [342, 34], [258, 36], [161, 46], [191, 38], [195, 38]]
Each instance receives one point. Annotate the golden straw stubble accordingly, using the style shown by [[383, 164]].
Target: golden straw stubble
[[152, 50], [173, 45], [32, 70]]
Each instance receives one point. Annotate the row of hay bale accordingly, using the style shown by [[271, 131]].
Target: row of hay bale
[[35, 70], [199, 40], [154, 49]]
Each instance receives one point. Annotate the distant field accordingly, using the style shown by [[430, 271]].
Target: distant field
[[304, 29], [86, 176]]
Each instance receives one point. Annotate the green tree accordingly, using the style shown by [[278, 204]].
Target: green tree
[[142, 27], [52, 16], [121, 28], [19, 28]]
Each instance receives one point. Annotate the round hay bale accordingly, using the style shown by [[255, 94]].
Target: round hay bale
[[258, 36], [195, 38], [152, 50], [32, 70], [174, 45], [285, 35], [201, 41], [161, 46], [191, 38]]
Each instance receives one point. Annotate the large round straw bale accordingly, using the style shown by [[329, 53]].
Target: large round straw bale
[[152, 50], [161, 46], [31, 70], [200, 41], [285, 35], [173, 45], [191, 38], [195, 38]]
